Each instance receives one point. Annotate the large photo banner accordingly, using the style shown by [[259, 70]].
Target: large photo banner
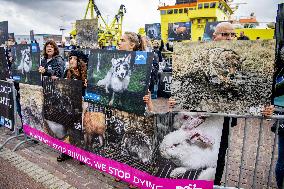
[[6, 104], [187, 145], [4, 70], [179, 31], [153, 31], [25, 66], [63, 109], [121, 136], [119, 78], [227, 77], [3, 32], [87, 32], [31, 102]]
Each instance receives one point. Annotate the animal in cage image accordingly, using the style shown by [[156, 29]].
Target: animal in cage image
[[191, 144], [117, 78], [227, 77], [124, 137]]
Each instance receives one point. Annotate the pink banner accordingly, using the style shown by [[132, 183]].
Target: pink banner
[[116, 169]]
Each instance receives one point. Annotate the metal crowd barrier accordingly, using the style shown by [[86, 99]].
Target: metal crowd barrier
[[256, 183], [17, 126]]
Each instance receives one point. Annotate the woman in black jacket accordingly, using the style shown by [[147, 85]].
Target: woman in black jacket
[[52, 65]]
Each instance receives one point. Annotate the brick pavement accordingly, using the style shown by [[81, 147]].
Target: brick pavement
[[38, 161], [250, 151]]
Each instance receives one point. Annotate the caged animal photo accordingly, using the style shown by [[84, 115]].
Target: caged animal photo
[[119, 78], [188, 145], [25, 66], [63, 109], [121, 136], [228, 77]]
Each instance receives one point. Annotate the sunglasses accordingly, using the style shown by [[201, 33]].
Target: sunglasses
[[228, 34]]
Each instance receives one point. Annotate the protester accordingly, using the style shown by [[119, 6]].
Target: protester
[[242, 36], [77, 70], [52, 65], [279, 169], [131, 41]]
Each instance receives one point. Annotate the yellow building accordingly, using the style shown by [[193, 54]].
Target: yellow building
[[199, 12]]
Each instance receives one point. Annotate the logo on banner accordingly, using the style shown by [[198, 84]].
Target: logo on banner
[[141, 57], [16, 78], [190, 186], [92, 96], [5, 122]]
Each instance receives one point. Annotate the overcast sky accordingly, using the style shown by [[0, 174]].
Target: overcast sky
[[46, 16]]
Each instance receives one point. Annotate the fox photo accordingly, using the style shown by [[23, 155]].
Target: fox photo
[[25, 66], [227, 77], [119, 79]]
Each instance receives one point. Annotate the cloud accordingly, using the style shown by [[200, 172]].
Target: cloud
[[47, 16]]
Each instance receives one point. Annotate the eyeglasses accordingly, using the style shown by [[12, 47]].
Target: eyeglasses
[[228, 34]]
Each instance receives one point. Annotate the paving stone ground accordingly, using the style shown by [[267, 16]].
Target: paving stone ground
[[38, 163]]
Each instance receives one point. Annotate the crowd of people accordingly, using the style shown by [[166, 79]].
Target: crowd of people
[[53, 66]]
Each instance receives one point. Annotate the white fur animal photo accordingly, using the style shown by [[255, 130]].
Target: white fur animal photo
[[188, 145], [119, 79], [25, 66]]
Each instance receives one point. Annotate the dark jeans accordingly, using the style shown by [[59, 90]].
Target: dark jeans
[[279, 170]]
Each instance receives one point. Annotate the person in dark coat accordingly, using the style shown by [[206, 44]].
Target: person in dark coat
[[242, 36], [52, 65]]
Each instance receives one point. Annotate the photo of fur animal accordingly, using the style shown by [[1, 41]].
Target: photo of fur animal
[[121, 136], [87, 33], [229, 77], [32, 106], [118, 78], [188, 146], [25, 66], [179, 31], [63, 109], [153, 31]]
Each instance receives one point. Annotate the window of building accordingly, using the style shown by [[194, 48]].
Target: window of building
[[180, 11], [185, 10], [198, 21], [212, 5], [206, 5], [220, 6], [175, 11], [191, 8], [170, 11], [207, 20], [200, 6], [163, 12]]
